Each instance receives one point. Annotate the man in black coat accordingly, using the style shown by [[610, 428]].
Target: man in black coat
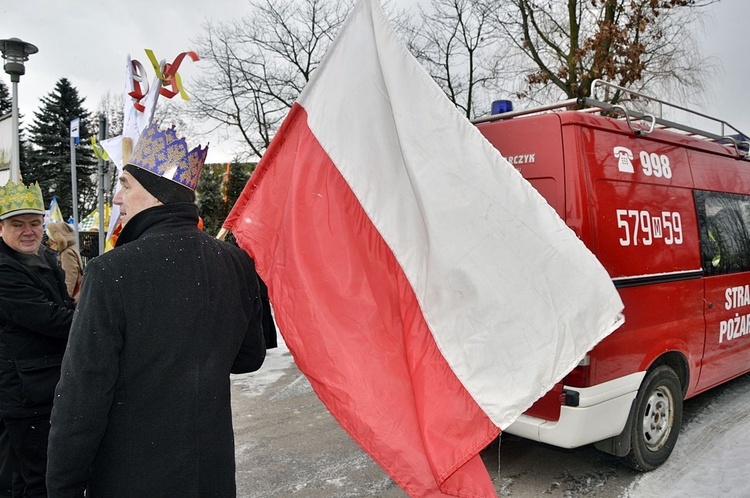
[[35, 318], [143, 406]]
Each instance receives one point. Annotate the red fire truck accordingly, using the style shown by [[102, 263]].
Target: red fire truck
[[665, 206]]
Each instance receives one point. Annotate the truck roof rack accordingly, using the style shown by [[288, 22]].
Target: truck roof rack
[[641, 121]]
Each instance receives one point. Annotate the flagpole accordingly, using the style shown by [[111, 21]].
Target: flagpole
[[100, 174], [74, 137]]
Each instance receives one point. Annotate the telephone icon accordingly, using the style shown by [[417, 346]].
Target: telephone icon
[[624, 159]]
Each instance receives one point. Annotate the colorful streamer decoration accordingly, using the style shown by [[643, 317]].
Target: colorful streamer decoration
[[139, 85], [99, 150], [167, 74]]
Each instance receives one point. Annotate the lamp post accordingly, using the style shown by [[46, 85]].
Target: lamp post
[[16, 52]]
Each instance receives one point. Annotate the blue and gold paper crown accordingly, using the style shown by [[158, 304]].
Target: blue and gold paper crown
[[17, 198], [165, 155]]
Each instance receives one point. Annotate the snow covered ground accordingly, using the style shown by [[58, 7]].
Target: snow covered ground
[[712, 457]]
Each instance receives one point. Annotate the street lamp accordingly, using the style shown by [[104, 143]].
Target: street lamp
[[15, 52]]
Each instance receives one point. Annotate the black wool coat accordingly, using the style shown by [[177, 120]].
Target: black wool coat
[[35, 317], [143, 405]]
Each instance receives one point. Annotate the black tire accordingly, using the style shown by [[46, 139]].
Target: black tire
[[655, 423]]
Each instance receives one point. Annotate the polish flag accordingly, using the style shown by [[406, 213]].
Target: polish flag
[[425, 289]]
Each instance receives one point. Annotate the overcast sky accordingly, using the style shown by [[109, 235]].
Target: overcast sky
[[87, 41]]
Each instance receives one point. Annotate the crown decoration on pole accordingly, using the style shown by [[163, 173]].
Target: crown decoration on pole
[[163, 154], [17, 198]]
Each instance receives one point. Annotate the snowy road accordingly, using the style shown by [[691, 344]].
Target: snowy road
[[712, 457], [288, 445]]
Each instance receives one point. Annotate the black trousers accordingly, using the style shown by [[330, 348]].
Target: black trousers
[[28, 440]]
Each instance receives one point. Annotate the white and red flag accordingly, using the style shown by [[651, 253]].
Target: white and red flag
[[425, 289]]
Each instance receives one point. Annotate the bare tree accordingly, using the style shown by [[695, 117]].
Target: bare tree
[[456, 41], [259, 64], [633, 43], [474, 49], [112, 108]]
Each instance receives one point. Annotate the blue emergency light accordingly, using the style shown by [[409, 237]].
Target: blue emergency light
[[501, 106]]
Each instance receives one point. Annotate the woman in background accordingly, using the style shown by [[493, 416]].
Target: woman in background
[[62, 238]]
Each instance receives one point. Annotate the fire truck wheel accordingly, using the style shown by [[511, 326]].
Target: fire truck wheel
[[655, 423]]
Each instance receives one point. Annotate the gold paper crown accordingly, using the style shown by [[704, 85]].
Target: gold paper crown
[[163, 154], [17, 198]]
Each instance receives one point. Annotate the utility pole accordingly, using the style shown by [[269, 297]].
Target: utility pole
[[15, 52]]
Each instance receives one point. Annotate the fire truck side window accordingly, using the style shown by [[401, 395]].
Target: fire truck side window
[[724, 221]]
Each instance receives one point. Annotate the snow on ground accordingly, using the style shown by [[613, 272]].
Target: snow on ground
[[712, 456], [722, 471], [277, 361]]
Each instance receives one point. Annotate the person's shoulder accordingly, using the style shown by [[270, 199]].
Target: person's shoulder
[[234, 248], [224, 245], [69, 259], [11, 269], [68, 252], [110, 260], [51, 257], [7, 264], [4, 258], [233, 251]]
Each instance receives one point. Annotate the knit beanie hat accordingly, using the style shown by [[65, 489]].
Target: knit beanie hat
[[163, 189]]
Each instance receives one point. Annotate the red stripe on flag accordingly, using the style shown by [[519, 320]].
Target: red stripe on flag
[[353, 324]]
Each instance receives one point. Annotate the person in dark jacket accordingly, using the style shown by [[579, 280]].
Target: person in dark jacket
[[35, 318], [143, 407]]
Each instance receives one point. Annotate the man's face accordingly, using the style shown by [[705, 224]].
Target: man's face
[[132, 198], [23, 233]]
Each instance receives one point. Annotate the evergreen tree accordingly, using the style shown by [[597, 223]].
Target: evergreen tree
[[218, 190], [239, 173], [49, 163], [6, 104], [210, 198]]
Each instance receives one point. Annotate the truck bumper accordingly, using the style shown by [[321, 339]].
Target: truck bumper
[[601, 413]]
